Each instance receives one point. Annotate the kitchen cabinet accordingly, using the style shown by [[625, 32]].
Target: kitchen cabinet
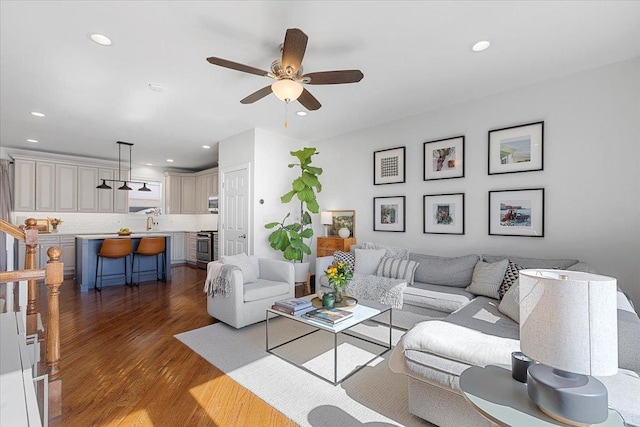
[[192, 244], [188, 195], [68, 246], [87, 192], [206, 186], [45, 186], [172, 193], [177, 248], [66, 188], [24, 197], [105, 197]]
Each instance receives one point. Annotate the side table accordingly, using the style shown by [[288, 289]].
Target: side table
[[504, 401]]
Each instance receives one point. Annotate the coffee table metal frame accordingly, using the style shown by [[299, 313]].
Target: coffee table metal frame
[[366, 310]]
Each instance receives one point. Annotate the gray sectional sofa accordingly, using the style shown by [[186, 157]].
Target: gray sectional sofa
[[450, 329]]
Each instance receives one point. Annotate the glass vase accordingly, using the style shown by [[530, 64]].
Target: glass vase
[[338, 295]]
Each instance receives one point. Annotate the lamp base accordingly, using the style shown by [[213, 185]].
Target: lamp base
[[573, 399]]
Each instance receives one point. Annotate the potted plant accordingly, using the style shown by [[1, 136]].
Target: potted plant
[[290, 238]]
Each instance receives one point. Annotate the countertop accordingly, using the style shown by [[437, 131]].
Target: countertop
[[116, 236]]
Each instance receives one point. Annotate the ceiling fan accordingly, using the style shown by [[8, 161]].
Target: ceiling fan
[[287, 73]]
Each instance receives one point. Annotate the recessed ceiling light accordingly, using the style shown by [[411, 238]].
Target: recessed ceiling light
[[170, 160], [101, 39], [155, 87], [148, 164], [301, 113], [481, 45], [206, 146], [37, 114], [32, 140]]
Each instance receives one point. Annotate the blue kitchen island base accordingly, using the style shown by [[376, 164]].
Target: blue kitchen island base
[[87, 248]]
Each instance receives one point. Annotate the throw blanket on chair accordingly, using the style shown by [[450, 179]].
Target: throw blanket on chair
[[375, 288], [219, 278]]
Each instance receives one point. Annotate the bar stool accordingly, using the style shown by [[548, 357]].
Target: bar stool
[[150, 246], [113, 249]]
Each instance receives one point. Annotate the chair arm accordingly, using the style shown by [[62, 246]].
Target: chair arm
[[237, 283], [276, 270]]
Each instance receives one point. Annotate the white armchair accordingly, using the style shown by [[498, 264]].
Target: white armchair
[[247, 303]]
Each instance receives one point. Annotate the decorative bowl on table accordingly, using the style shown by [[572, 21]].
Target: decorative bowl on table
[[124, 233]]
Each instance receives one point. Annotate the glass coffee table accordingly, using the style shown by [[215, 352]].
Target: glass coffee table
[[365, 310]]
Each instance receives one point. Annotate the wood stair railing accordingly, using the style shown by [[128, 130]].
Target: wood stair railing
[[53, 276]]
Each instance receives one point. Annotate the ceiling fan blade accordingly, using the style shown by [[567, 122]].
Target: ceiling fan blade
[[236, 66], [295, 43], [309, 101], [257, 95], [334, 77]]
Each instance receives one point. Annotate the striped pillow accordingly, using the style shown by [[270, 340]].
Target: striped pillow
[[395, 268]]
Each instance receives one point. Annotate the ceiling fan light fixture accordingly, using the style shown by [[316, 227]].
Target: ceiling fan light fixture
[[287, 90]]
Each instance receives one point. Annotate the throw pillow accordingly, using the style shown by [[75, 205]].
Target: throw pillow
[[487, 278], [397, 269], [345, 257], [390, 251], [244, 263], [367, 260], [510, 304], [510, 276]]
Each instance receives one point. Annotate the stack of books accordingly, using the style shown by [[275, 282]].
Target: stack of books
[[292, 306], [330, 316]]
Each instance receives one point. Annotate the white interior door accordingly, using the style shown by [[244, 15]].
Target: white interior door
[[235, 210]]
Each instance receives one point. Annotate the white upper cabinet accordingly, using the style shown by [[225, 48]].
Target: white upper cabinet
[[66, 188], [87, 192], [24, 196], [45, 186]]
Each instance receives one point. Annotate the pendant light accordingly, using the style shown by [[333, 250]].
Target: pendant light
[[125, 183]]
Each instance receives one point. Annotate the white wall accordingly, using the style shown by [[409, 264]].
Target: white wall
[[591, 172]]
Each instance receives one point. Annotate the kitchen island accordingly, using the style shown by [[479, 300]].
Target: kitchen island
[[88, 246]]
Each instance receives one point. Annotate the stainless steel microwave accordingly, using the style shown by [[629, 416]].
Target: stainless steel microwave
[[213, 204]]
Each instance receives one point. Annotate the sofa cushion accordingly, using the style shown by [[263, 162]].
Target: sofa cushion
[[510, 276], [263, 289], [487, 278], [532, 262], [444, 271], [510, 303], [367, 260], [345, 258], [389, 251], [396, 268], [436, 297], [242, 260], [628, 340]]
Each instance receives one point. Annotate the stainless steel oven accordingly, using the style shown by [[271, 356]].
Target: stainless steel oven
[[207, 248]]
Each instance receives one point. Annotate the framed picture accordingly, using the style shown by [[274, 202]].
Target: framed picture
[[517, 212], [444, 158], [388, 166], [443, 213], [516, 149], [343, 219], [388, 213], [42, 224]]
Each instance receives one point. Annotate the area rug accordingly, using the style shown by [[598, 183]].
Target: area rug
[[373, 396]]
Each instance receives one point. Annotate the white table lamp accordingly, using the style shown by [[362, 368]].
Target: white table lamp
[[568, 324], [326, 218]]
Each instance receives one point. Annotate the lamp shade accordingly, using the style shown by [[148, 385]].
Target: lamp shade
[[287, 90], [326, 218], [568, 320]]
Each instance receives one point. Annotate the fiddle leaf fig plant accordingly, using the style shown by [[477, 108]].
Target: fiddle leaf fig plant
[[289, 238]]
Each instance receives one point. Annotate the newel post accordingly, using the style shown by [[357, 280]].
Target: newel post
[[31, 246], [53, 280]]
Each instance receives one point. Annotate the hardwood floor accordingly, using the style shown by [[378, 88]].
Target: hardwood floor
[[121, 365]]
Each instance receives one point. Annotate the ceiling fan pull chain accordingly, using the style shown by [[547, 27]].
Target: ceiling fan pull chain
[[286, 114]]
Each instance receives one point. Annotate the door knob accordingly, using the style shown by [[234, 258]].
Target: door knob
[[242, 236]]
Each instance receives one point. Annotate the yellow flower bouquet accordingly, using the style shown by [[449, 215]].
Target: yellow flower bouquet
[[339, 274]]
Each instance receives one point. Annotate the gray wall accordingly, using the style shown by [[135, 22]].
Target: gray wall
[[591, 172]]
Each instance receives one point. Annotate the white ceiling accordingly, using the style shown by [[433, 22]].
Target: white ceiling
[[415, 56]]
